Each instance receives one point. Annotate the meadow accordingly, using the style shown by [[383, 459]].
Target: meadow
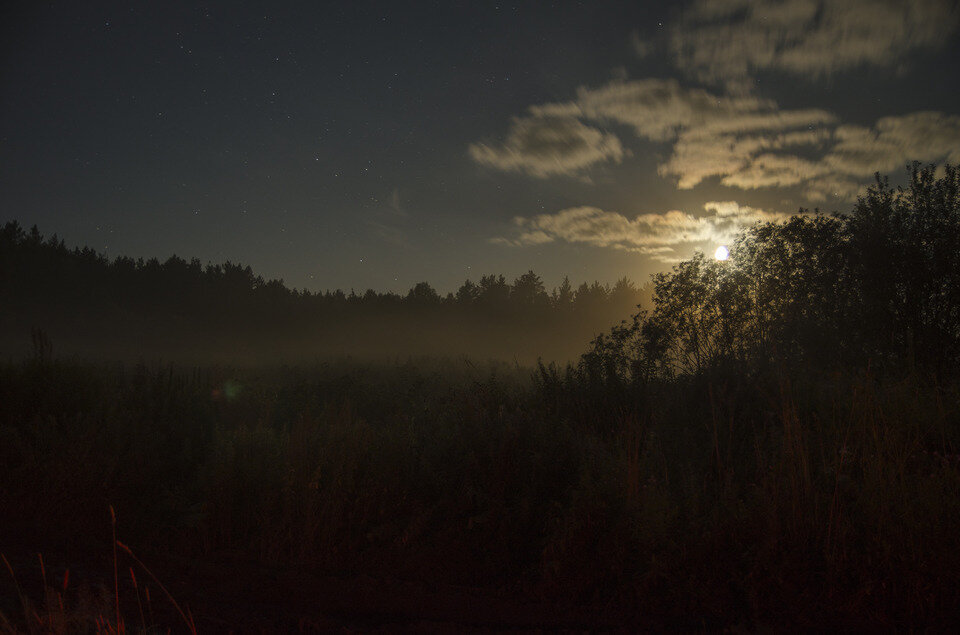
[[708, 503]]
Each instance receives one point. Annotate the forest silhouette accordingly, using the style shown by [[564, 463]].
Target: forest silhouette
[[772, 442], [123, 308], [880, 284]]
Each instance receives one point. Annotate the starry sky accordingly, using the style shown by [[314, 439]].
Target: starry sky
[[379, 144]]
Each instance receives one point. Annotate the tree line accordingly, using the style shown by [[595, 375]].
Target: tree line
[[877, 287], [72, 291]]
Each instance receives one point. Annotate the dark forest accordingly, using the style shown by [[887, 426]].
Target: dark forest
[[179, 310]]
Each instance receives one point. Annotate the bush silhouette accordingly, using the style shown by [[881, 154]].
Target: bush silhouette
[[879, 286]]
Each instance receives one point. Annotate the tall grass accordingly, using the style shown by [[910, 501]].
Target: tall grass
[[711, 501], [83, 609]]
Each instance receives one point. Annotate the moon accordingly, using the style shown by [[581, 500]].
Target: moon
[[722, 253]]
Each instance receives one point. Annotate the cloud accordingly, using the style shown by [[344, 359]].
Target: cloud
[[656, 108], [713, 135], [394, 204], [389, 233], [703, 153], [387, 218], [775, 170], [641, 47], [858, 152], [658, 235], [833, 187], [743, 141], [724, 41], [925, 136], [808, 149], [743, 215], [713, 130], [549, 145]]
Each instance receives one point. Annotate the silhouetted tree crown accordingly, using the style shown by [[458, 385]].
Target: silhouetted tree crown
[[879, 286]]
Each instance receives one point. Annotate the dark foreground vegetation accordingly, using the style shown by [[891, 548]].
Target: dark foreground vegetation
[[775, 445]]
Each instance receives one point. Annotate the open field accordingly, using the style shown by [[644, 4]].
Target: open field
[[495, 491]]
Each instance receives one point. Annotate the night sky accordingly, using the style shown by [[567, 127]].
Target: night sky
[[374, 145]]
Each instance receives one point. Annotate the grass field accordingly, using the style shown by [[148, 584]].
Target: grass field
[[705, 503]]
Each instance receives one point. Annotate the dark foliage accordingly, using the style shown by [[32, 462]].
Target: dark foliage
[[877, 287], [91, 305]]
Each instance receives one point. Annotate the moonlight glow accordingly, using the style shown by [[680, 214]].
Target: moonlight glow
[[722, 253]]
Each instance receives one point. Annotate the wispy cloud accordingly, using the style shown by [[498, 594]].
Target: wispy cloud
[[389, 233], [661, 236], [394, 204], [850, 155], [548, 145], [656, 109], [928, 136], [742, 215], [722, 42], [387, 219], [745, 142], [716, 151], [734, 136]]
